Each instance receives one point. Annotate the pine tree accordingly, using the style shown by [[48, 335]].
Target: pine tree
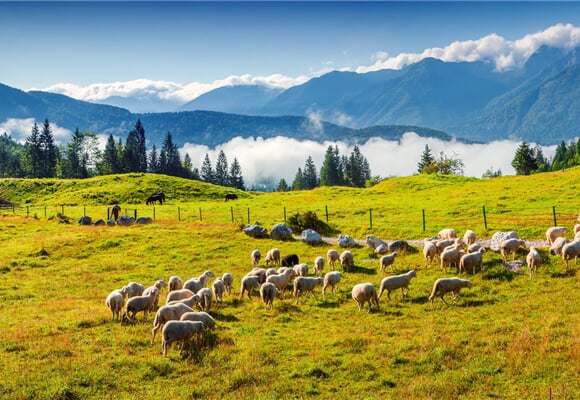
[[154, 166], [135, 151], [235, 178], [187, 167], [207, 174], [33, 151], [110, 161], [559, 160], [309, 177], [357, 169], [169, 160], [524, 162], [221, 169], [427, 159], [297, 184], [282, 186], [48, 151], [331, 173]]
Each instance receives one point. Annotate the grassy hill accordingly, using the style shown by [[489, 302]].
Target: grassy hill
[[509, 337]]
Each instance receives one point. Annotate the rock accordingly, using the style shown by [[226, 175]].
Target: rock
[[143, 220], [126, 220], [346, 241], [373, 242], [255, 231], [86, 220], [399, 245], [100, 222], [514, 266], [281, 232], [111, 222], [381, 249], [310, 236], [498, 237]]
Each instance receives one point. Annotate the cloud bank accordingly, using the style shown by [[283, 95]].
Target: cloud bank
[[503, 53]]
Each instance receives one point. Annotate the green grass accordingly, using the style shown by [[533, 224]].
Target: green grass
[[508, 337]]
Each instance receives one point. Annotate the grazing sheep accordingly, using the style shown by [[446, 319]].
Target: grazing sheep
[[190, 301], [429, 252], [160, 284], [555, 232], [447, 233], [332, 257], [451, 255], [346, 260], [365, 292], [446, 285], [395, 282], [175, 283], [576, 228], [258, 272], [228, 282], [282, 280], [205, 299], [115, 301], [557, 245], [301, 269], [218, 289], [305, 285], [474, 248], [202, 316], [134, 289], [168, 312], [318, 265], [469, 237], [272, 256], [570, 250], [290, 260], [271, 271], [387, 260], [178, 295], [471, 260], [533, 260], [140, 303], [511, 246], [256, 255], [442, 244], [331, 280], [577, 236], [195, 284], [248, 283], [175, 331], [268, 292]]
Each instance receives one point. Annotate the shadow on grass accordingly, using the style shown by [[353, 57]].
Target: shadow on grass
[[564, 274], [362, 270], [225, 318]]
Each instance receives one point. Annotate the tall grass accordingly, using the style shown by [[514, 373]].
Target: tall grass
[[508, 337]]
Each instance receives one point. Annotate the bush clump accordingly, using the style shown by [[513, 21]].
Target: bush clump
[[309, 220]]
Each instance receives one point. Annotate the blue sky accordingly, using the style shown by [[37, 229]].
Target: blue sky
[[82, 43]]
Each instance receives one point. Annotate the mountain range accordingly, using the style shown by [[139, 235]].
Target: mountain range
[[467, 100]]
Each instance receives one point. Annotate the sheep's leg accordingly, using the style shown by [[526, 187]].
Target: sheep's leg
[[443, 299]]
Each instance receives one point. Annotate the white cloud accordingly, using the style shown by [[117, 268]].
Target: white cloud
[[276, 158], [492, 48], [20, 129]]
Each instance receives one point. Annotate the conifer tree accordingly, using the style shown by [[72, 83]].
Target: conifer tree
[[48, 151], [207, 174], [111, 161], [221, 169], [309, 177], [135, 151], [33, 151], [235, 178], [524, 162], [282, 186], [331, 173], [169, 160], [154, 166], [427, 160], [297, 184]]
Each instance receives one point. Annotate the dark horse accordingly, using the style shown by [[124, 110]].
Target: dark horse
[[231, 196], [160, 197]]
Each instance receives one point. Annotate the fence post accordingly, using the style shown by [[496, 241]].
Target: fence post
[[178, 213], [44, 211], [326, 207], [135, 212], [153, 212], [62, 210], [371, 217], [423, 220], [200, 218], [554, 214], [27, 210], [108, 213], [284, 214], [85, 212], [484, 217], [232, 212], [248, 215]]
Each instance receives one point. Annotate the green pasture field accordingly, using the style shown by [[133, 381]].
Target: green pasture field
[[508, 337]]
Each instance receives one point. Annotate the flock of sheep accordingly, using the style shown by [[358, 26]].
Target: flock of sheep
[[179, 321]]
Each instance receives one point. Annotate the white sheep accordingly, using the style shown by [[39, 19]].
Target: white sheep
[[557, 245], [137, 304], [178, 295], [387, 260], [447, 233], [115, 301], [272, 256], [202, 316], [474, 247], [190, 301], [381, 249], [248, 284], [305, 285], [331, 279], [533, 260], [511, 246], [301, 269], [271, 271], [180, 331], [332, 257], [175, 283], [260, 273], [363, 293], [570, 250], [451, 255], [346, 260], [429, 252], [373, 242], [160, 284], [228, 280], [395, 282], [469, 237], [471, 260], [195, 284], [268, 292], [442, 244], [218, 289], [446, 285], [255, 256], [134, 289], [576, 228], [555, 232], [318, 265], [282, 280], [205, 299], [168, 312]]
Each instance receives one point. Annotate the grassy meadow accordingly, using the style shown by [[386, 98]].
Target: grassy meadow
[[508, 337]]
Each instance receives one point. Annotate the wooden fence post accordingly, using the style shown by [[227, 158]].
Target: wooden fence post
[[484, 217]]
